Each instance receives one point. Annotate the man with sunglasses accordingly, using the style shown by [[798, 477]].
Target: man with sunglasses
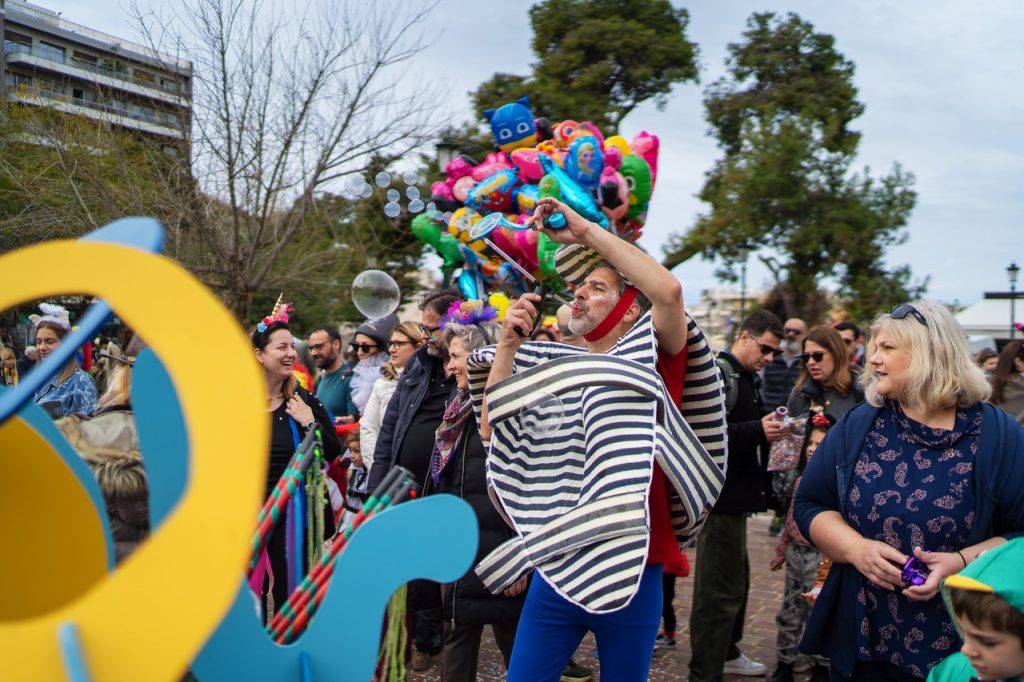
[[854, 339], [722, 575]]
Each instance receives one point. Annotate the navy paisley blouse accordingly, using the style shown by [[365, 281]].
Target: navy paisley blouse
[[912, 487]]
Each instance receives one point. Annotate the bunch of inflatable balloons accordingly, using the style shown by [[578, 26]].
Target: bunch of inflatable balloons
[[607, 180]]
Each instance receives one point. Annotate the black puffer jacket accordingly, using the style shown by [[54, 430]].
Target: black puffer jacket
[[467, 601], [778, 382]]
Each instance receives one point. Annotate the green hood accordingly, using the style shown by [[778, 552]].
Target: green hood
[[997, 570]]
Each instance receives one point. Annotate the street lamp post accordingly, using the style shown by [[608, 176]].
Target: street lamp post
[[1011, 272], [744, 253], [447, 151]]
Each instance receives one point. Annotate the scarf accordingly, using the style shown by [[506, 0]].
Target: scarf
[[449, 433]]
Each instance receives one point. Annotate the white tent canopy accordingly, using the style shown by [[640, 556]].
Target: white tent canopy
[[991, 317]]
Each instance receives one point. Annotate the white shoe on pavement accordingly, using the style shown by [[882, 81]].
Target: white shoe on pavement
[[742, 665]]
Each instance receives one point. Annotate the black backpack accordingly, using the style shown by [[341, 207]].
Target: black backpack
[[731, 378]]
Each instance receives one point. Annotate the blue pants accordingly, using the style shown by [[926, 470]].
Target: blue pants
[[550, 629]]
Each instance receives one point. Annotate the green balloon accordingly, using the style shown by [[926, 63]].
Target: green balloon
[[638, 176], [546, 256], [434, 233]]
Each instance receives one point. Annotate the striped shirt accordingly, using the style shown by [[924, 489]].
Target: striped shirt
[[571, 457]]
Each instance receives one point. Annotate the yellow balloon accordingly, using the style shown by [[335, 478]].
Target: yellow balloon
[[148, 619], [500, 302], [620, 142]]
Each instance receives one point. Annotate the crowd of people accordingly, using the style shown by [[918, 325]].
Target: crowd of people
[[596, 451]]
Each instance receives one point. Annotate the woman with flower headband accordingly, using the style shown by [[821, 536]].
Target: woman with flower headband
[[925, 469], [293, 411], [459, 466], [71, 391]]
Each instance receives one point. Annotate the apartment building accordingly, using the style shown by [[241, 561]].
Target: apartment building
[[50, 61]]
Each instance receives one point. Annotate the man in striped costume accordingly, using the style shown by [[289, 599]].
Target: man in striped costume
[[591, 460]]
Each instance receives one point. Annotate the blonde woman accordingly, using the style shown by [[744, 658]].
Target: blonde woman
[[8, 368], [405, 338], [925, 469]]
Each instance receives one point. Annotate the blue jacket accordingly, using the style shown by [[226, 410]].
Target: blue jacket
[[409, 394], [998, 482]]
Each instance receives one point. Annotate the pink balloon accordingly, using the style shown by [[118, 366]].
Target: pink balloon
[[612, 158], [462, 187], [442, 189], [491, 165], [458, 168], [646, 146], [528, 163]]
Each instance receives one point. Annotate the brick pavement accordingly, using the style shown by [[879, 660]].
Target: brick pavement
[[759, 633]]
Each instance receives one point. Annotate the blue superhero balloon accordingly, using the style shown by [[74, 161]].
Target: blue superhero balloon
[[585, 161], [572, 194], [512, 125]]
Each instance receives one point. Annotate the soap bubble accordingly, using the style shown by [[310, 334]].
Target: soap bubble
[[412, 192], [375, 294], [393, 195], [366, 191], [411, 178], [392, 210], [383, 179], [542, 415], [415, 206]]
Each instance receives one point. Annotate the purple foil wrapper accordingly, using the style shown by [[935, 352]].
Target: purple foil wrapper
[[915, 572]]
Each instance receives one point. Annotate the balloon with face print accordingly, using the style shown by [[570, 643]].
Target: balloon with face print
[[585, 161], [512, 125]]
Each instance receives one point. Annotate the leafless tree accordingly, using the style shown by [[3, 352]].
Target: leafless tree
[[284, 105]]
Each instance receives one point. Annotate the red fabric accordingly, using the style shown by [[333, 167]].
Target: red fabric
[[613, 317], [664, 549]]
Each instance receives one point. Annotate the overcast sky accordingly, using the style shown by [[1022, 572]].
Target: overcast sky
[[941, 81]]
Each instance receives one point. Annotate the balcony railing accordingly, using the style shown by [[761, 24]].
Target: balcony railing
[[13, 9], [54, 55], [165, 120]]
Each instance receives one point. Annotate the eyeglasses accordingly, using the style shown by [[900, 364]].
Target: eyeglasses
[[792, 331], [766, 349], [817, 356], [398, 344], [317, 346], [428, 331], [365, 347], [904, 309]]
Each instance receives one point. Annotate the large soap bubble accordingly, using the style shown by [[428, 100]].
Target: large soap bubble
[[543, 414], [375, 294]]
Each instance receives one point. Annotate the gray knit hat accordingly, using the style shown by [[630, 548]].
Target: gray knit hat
[[379, 330]]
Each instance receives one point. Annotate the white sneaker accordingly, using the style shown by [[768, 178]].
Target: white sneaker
[[742, 665]]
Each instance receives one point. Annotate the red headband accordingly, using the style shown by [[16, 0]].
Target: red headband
[[614, 316]]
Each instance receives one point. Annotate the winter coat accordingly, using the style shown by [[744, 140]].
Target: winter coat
[[1013, 398], [373, 415], [778, 381], [364, 376], [467, 601], [746, 475], [813, 393], [409, 393]]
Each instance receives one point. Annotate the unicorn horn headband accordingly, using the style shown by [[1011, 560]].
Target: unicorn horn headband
[[278, 314]]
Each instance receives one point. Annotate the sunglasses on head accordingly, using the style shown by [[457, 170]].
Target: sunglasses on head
[[817, 356], [904, 309], [365, 347]]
